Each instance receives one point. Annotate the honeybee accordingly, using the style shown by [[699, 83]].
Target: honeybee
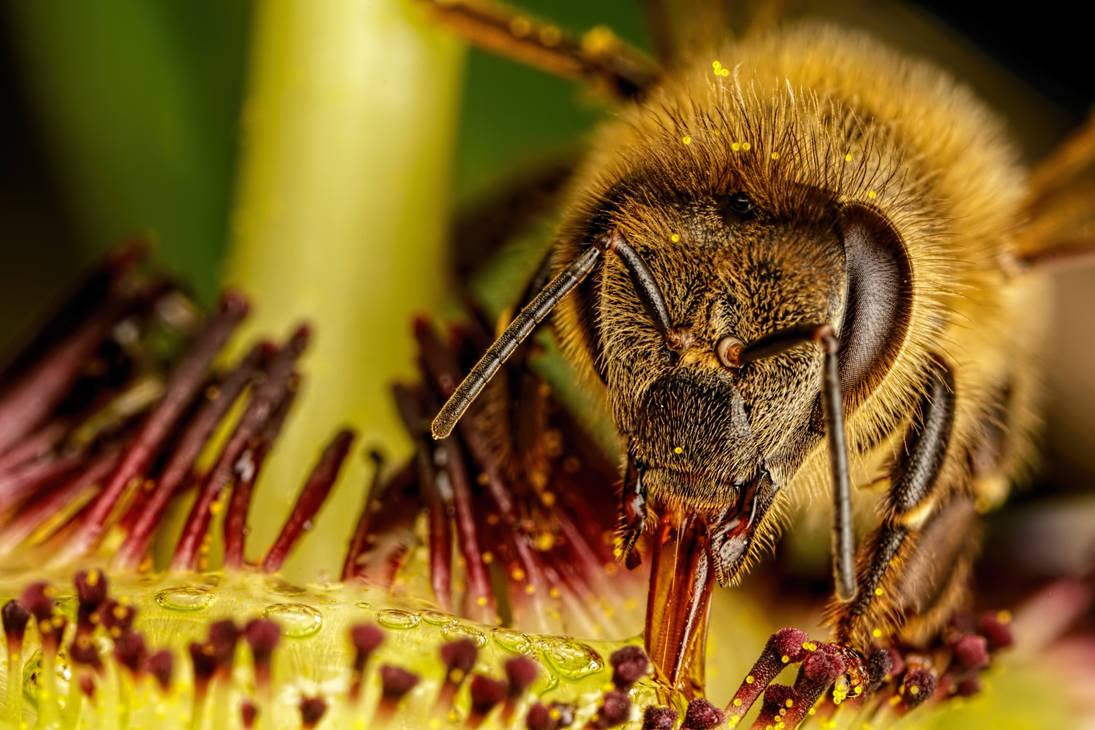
[[795, 264]]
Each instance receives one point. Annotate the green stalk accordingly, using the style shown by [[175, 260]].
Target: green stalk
[[341, 209]]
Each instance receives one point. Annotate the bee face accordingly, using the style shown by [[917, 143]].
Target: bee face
[[701, 425]]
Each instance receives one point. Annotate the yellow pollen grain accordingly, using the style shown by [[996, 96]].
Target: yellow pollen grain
[[554, 592], [877, 633], [716, 65], [517, 574], [736, 146], [482, 479], [686, 140], [790, 702], [530, 589], [93, 577], [809, 646], [482, 600], [724, 72], [1003, 617], [746, 146], [737, 702], [674, 238], [775, 155], [785, 658], [848, 157], [872, 194], [914, 690], [550, 35], [548, 498], [750, 679], [456, 676], [488, 558], [878, 591], [520, 26]]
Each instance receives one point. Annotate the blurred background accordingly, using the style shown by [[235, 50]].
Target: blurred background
[[124, 115]]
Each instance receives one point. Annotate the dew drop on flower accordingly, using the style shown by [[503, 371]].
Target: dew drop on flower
[[457, 630], [297, 620], [572, 659], [513, 641], [397, 618], [185, 598]]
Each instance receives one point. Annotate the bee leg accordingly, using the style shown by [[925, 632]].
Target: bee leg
[[632, 514], [1062, 187], [598, 57], [912, 508]]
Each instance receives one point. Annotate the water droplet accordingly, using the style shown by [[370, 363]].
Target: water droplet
[[395, 618], [365, 605], [185, 598], [297, 620], [456, 630], [438, 618], [571, 658], [513, 641]]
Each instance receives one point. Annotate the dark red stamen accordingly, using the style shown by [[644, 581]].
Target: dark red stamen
[[361, 538], [179, 392], [394, 684], [130, 651], [520, 673], [37, 598], [701, 715], [778, 700], [160, 665], [83, 651], [311, 498], [917, 686], [486, 694], [365, 639], [312, 710], [91, 591], [412, 410], [819, 671], [478, 596], [659, 718], [539, 717], [15, 618], [117, 618], [264, 402], [34, 447], [459, 658], [263, 636], [248, 712], [787, 642], [629, 665], [971, 651], [615, 710], [195, 435], [25, 481], [247, 470], [996, 629]]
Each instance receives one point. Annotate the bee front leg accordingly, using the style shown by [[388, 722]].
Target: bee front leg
[[912, 507]]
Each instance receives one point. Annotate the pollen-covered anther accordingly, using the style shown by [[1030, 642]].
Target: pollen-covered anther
[[995, 626], [248, 712], [659, 718], [778, 700], [971, 651], [615, 710], [818, 672], [15, 618], [91, 591], [702, 715], [917, 686], [486, 693], [629, 665], [788, 642]]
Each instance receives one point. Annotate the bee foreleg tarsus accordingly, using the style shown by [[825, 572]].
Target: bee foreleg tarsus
[[597, 57], [909, 505]]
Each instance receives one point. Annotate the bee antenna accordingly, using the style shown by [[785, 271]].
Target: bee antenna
[[523, 325], [843, 546]]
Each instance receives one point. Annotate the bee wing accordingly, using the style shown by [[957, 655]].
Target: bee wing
[[1061, 206]]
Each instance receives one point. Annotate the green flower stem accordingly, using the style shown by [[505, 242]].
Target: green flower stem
[[348, 129]]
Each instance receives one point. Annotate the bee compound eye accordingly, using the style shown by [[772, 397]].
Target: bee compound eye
[[728, 351]]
